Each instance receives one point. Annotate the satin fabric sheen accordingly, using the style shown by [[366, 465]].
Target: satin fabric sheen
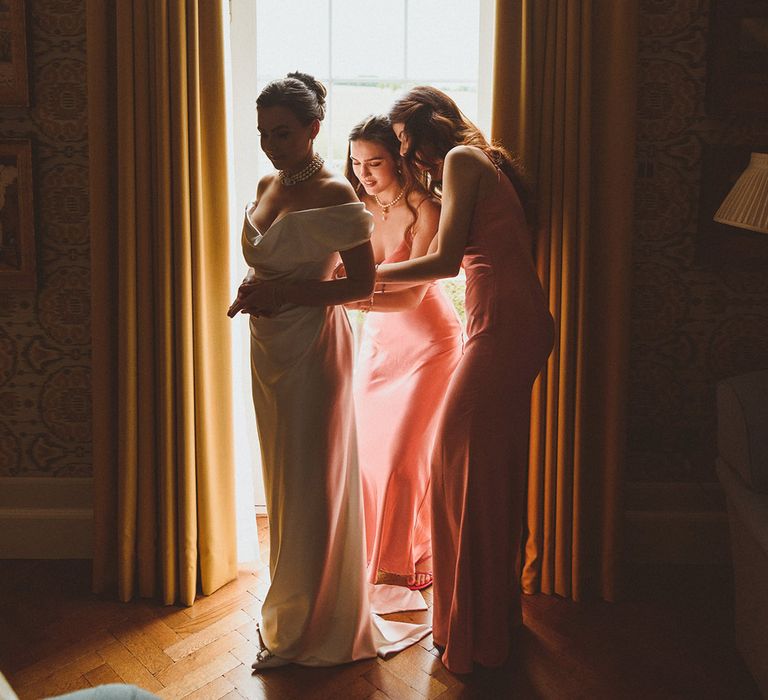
[[405, 361], [318, 609], [481, 452]]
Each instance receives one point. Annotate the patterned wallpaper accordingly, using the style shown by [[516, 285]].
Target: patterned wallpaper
[[45, 427], [696, 317]]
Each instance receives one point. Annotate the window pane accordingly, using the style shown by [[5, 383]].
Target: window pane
[[443, 40], [365, 48], [292, 36], [351, 104], [464, 95]]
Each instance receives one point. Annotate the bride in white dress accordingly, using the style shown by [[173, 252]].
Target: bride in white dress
[[318, 610]]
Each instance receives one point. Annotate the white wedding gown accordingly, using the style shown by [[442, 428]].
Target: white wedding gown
[[318, 610]]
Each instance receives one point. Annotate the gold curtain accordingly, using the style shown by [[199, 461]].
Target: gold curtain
[[564, 99], [163, 459]]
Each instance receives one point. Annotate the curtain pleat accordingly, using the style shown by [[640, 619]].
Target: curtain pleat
[[556, 81], [169, 453]]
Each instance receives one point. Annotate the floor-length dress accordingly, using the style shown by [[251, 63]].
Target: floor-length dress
[[317, 610], [480, 461], [405, 361]]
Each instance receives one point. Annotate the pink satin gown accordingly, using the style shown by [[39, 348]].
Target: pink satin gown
[[405, 363], [481, 452]]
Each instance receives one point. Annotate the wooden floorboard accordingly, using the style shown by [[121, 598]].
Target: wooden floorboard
[[670, 637]]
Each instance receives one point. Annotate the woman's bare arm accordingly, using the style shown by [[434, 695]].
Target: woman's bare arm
[[462, 171], [408, 295], [394, 300], [358, 283], [403, 296], [268, 296]]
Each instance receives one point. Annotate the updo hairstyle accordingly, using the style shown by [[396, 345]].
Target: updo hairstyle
[[301, 93]]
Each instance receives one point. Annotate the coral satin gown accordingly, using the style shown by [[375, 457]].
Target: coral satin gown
[[405, 362], [318, 609], [481, 452]]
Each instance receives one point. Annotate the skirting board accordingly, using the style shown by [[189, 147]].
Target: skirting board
[[46, 518], [676, 523], [52, 518]]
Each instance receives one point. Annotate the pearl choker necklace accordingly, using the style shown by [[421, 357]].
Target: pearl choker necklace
[[290, 179], [386, 207]]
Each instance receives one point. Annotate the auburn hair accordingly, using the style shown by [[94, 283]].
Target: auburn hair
[[434, 125]]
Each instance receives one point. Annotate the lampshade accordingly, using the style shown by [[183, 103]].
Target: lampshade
[[746, 205]]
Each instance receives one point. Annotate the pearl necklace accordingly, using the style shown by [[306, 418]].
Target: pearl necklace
[[386, 207], [290, 179]]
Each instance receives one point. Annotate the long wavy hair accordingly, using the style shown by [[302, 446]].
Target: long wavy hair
[[378, 129], [434, 125]]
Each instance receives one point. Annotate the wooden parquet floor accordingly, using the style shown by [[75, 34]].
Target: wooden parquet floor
[[56, 637]]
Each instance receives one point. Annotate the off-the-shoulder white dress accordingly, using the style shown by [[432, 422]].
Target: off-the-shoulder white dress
[[318, 610]]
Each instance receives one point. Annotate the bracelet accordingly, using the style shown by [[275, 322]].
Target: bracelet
[[369, 305]]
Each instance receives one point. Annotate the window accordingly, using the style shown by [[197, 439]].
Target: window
[[366, 54]]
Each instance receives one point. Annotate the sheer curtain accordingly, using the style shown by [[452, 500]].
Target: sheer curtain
[[243, 139]]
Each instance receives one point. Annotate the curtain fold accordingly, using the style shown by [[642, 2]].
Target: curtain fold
[[564, 99], [163, 454]]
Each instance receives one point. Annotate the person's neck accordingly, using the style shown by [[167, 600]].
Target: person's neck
[[390, 194], [300, 165]]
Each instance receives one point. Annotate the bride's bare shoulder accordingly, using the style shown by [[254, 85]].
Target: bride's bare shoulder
[[264, 184], [336, 190]]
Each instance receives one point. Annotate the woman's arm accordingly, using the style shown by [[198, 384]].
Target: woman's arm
[[358, 283], [462, 171], [264, 298], [390, 300], [404, 296]]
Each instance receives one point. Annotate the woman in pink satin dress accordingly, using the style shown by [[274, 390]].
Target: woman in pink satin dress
[[480, 460], [411, 343]]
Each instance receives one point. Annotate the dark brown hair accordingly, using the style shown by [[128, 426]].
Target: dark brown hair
[[378, 128], [434, 125], [301, 93]]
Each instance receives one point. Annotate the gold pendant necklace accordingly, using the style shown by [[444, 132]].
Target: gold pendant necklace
[[386, 207]]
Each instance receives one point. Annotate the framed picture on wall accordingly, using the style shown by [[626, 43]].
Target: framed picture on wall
[[14, 87], [737, 81], [17, 229]]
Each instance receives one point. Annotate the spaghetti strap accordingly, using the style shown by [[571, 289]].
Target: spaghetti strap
[[494, 164]]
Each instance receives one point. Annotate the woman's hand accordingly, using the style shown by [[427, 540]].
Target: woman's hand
[[257, 298], [246, 286]]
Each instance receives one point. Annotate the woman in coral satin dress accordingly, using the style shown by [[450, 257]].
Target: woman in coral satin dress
[[411, 343], [318, 610], [480, 460]]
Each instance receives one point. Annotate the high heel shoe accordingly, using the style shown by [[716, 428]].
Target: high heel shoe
[[266, 659]]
